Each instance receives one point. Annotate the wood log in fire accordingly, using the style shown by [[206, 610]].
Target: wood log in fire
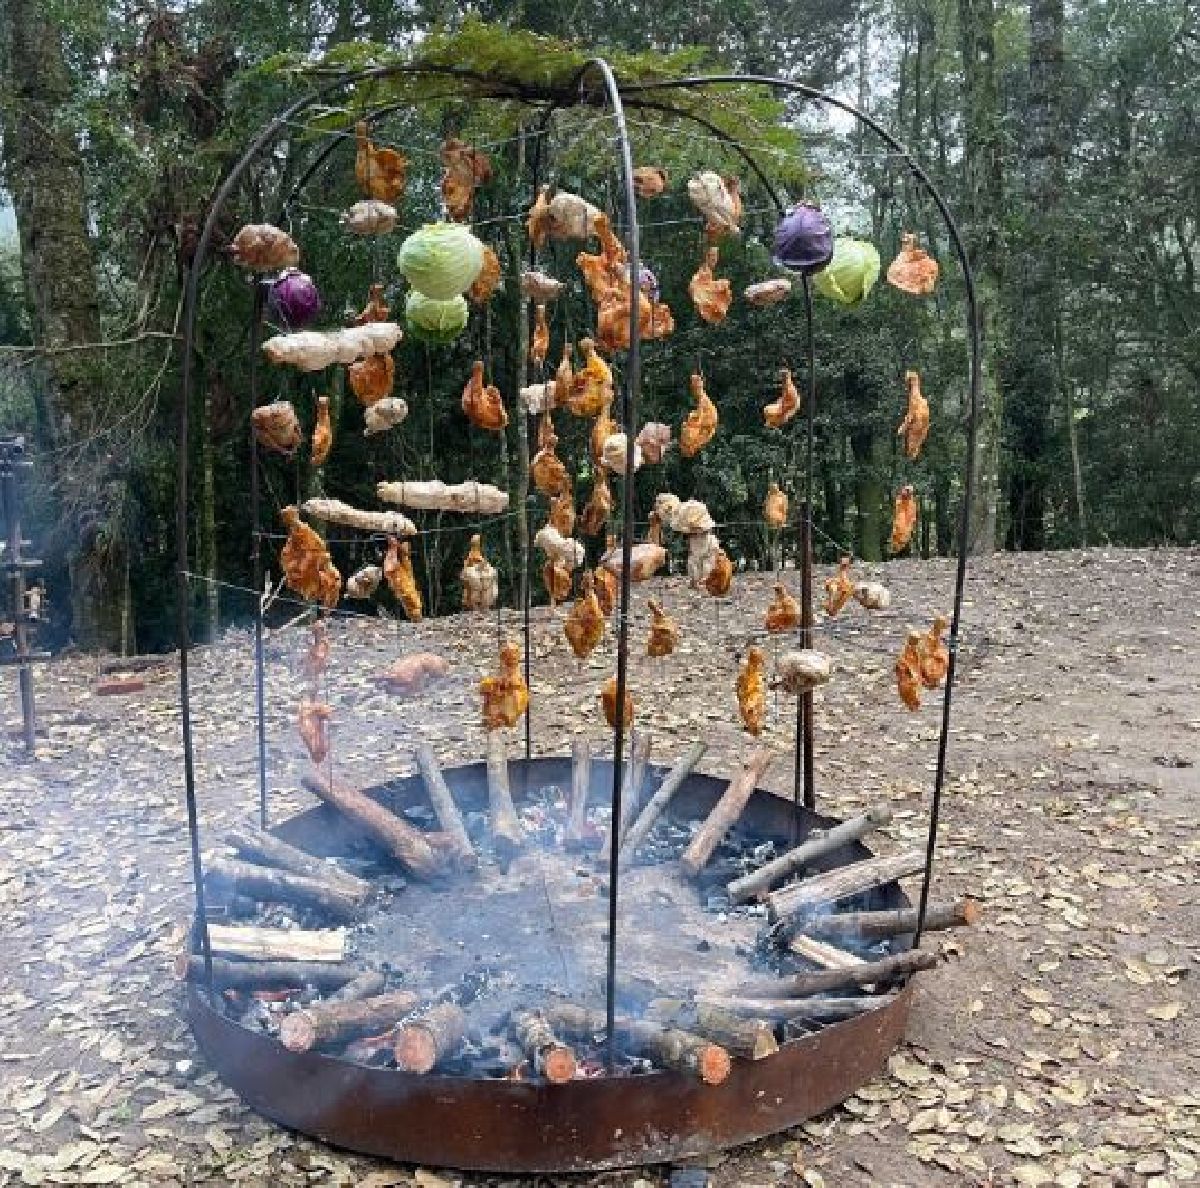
[[368, 984], [266, 975], [807, 895], [751, 1039], [507, 834], [445, 808], [816, 1010], [874, 926], [422, 1043], [631, 791], [271, 885], [892, 968], [277, 944], [257, 846], [657, 804], [322, 1024], [550, 1057], [575, 835], [726, 812]]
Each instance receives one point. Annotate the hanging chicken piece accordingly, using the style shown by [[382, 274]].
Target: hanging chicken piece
[[564, 377], [913, 270], [655, 439], [562, 514], [539, 345], [364, 582], [655, 320], [384, 414], [556, 577], [369, 217], [779, 412], [645, 560], [712, 296], [549, 474], [768, 292], [505, 696], [649, 181], [915, 426], [592, 386], [322, 436], [873, 595], [719, 200], [775, 507], [933, 655], [398, 573], [584, 626], [316, 655], [466, 169], [752, 691], [482, 404], [380, 172], [602, 429], [599, 505], [904, 518], [480, 585], [371, 379], [608, 699], [488, 280], [720, 576], [700, 424], [783, 614], [908, 671], [607, 587], [307, 567], [540, 287], [604, 273], [277, 428], [838, 589], [664, 631], [375, 310], [654, 529], [412, 672], [802, 671], [264, 248], [313, 723]]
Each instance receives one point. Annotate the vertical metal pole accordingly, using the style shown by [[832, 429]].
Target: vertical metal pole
[[10, 451], [804, 785], [260, 713], [527, 585]]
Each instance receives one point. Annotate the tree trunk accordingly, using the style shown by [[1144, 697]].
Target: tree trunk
[[45, 178], [869, 493]]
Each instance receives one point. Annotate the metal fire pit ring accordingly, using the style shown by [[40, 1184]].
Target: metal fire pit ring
[[591, 1124]]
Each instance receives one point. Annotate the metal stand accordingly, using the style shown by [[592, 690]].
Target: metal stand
[[12, 459]]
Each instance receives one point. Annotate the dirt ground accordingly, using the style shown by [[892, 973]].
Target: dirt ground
[[1059, 1042]]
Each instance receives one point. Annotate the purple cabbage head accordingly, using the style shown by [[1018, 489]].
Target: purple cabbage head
[[803, 239], [293, 299]]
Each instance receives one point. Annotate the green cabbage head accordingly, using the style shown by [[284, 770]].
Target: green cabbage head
[[435, 321], [441, 260], [852, 272]]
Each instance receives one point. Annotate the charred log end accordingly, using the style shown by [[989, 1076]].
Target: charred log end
[[415, 1049], [558, 1065], [297, 1033], [713, 1064]]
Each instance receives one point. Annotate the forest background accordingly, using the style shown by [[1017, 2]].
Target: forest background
[[1064, 137]]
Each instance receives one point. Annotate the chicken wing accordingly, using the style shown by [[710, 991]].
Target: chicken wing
[[908, 671], [313, 724], [466, 169], [649, 181], [547, 470], [364, 582], [720, 576], [556, 577], [839, 588], [398, 573], [482, 404], [539, 345], [752, 691], [779, 412], [564, 377], [488, 280], [316, 655], [664, 631], [775, 507], [505, 696], [933, 655], [655, 439], [562, 513], [480, 585], [608, 699], [375, 310], [712, 296], [602, 429], [783, 614], [913, 270], [700, 424], [592, 386], [607, 589], [371, 379], [599, 505], [380, 172], [904, 518], [915, 426], [307, 566], [584, 626], [277, 428], [604, 272], [412, 672], [322, 435]]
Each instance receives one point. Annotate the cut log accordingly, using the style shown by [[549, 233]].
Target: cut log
[[751, 1039], [874, 926], [671, 1047], [726, 812], [257, 846], [865, 973], [398, 837], [368, 984], [278, 944], [757, 884], [325, 1023], [809, 894], [447, 811], [507, 834], [631, 792], [271, 885], [265, 975], [824, 955], [424, 1042], [550, 1057], [657, 804], [575, 835], [818, 1010]]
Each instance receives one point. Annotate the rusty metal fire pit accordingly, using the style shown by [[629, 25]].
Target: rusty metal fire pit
[[481, 1122]]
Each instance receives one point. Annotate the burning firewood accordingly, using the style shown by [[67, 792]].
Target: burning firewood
[[893, 968], [657, 804], [447, 811], [368, 984], [264, 975], [752, 886], [874, 926], [257, 846], [824, 955], [816, 1010], [631, 791], [505, 825], [401, 840], [267, 884], [424, 1042], [805, 896], [322, 1024], [751, 1039], [550, 1057], [726, 812], [575, 835]]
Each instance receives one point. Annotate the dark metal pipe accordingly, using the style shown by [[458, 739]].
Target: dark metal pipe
[[12, 451], [260, 711]]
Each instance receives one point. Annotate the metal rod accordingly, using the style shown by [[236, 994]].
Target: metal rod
[[11, 452], [806, 550], [260, 712]]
